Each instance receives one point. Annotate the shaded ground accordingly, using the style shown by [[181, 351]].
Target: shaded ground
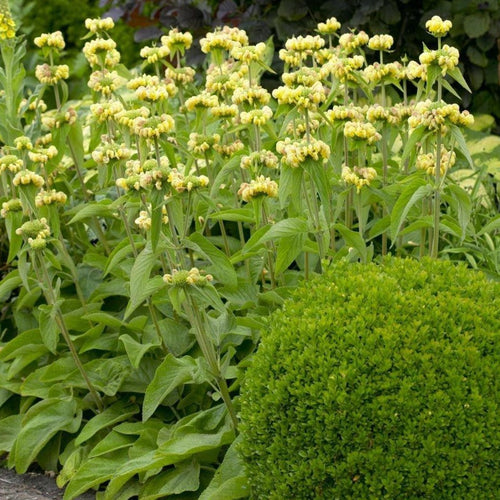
[[31, 486]]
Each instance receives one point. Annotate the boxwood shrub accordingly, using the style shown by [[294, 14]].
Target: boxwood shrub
[[378, 381]]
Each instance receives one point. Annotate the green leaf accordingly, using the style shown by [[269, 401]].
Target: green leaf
[[49, 328], [157, 203], [89, 210], [284, 228], [243, 214], [184, 477], [41, 422], [463, 207], [288, 249], [9, 284], [135, 350], [118, 412], [112, 442], [122, 250], [142, 285], [354, 240], [460, 143], [477, 24], [410, 147], [229, 481], [105, 319], [318, 174], [223, 270], [172, 373], [414, 192], [493, 225], [9, 429], [456, 74], [13, 220], [120, 475], [253, 242], [94, 472], [290, 186]]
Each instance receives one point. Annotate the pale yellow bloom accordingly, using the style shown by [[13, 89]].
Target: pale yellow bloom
[[50, 75], [262, 186], [428, 162], [177, 40], [23, 143], [249, 53], [251, 96], [225, 38], [101, 51], [200, 143], [203, 100], [7, 24], [98, 25], [446, 58], [181, 182], [11, 163], [358, 176], [437, 27], [13, 205], [302, 96], [193, 277], [380, 42], [259, 159], [256, 116], [153, 126], [42, 155], [51, 197], [360, 131], [224, 110], [53, 40], [228, 150], [181, 76], [154, 54], [307, 44], [103, 111], [105, 81], [329, 27], [352, 41], [295, 153], [345, 113], [26, 177]]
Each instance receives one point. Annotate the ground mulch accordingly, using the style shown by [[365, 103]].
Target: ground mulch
[[31, 486]]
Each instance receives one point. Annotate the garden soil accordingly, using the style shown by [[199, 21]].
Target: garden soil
[[31, 486]]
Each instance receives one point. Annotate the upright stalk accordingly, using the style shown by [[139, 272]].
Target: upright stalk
[[39, 265], [208, 350], [437, 189]]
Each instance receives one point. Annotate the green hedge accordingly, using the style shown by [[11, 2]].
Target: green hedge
[[378, 381]]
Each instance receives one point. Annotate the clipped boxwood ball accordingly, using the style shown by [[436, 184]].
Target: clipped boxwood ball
[[378, 381]]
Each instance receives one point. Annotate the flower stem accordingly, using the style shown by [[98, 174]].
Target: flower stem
[[39, 264]]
